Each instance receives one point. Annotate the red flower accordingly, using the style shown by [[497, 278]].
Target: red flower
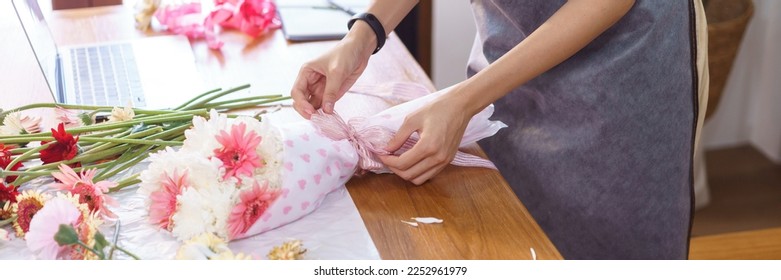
[[7, 193], [64, 149], [5, 160]]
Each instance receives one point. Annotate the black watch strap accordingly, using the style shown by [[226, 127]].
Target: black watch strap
[[374, 23]]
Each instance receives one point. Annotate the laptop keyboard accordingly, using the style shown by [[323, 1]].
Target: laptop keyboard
[[106, 75]]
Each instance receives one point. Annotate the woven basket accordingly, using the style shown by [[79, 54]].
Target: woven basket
[[727, 21]]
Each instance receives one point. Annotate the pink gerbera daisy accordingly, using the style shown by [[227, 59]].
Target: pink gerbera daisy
[[238, 154], [91, 194], [46, 223], [164, 200], [254, 202]]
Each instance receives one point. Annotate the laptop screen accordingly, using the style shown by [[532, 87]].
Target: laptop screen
[[40, 39]]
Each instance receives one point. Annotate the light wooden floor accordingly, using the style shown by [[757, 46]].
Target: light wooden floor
[[745, 191], [743, 219]]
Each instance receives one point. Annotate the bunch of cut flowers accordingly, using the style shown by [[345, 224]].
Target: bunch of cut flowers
[[81, 156]]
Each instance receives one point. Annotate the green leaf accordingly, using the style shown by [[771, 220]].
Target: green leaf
[[100, 242], [66, 235]]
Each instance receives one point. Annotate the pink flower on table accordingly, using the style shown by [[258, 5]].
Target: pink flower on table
[[164, 200], [253, 203], [46, 223], [238, 153], [91, 194], [72, 118]]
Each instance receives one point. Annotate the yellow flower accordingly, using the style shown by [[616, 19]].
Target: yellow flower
[[291, 250], [27, 204]]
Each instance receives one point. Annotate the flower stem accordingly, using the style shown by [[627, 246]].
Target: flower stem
[[27, 154], [80, 107], [97, 253], [131, 141], [262, 97], [126, 252], [196, 98], [249, 104], [218, 95], [129, 181]]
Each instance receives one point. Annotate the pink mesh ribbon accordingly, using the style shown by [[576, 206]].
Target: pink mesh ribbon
[[370, 142], [251, 17]]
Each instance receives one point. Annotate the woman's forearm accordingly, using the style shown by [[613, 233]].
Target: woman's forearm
[[570, 29]]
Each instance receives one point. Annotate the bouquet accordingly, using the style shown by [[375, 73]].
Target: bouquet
[[239, 177], [82, 156]]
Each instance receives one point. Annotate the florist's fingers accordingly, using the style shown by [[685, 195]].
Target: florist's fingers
[[300, 94], [316, 97], [410, 158], [424, 166], [333, 83], [405, 131], [428, 175]]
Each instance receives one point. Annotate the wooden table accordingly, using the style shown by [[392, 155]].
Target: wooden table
[[482, 217]]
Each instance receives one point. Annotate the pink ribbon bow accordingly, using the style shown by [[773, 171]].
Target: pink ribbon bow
[[370, 142]]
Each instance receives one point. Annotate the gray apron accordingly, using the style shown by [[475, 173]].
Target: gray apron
[[599, 148]]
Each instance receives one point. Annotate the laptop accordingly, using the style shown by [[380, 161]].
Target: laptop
[[153, 72]]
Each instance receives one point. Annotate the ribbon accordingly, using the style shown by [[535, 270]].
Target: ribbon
[[370, 142]]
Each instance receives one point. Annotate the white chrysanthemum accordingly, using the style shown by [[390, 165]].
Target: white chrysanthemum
[[192, 217], [269, 150], [121, 114], [219, 201], [202, 172], [201, 138]]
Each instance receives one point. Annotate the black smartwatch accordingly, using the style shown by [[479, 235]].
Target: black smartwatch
[[374, 23]]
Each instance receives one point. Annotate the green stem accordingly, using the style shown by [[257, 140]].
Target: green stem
[[123, 158], [110, 132], [131, 141], [243, 100], [196, 98], [102, 146], [27, 154], [152, 120], [126, 252], [19, 150], [136, 157], [129, 181], [97, 253], [218, 95], [249, 104], [80, 107], [25, 173]]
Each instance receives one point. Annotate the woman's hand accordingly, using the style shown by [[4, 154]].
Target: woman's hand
[[441, 125], [321, 82]]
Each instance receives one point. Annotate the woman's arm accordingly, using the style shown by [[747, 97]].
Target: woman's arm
[[321, 82], [442, 123]]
